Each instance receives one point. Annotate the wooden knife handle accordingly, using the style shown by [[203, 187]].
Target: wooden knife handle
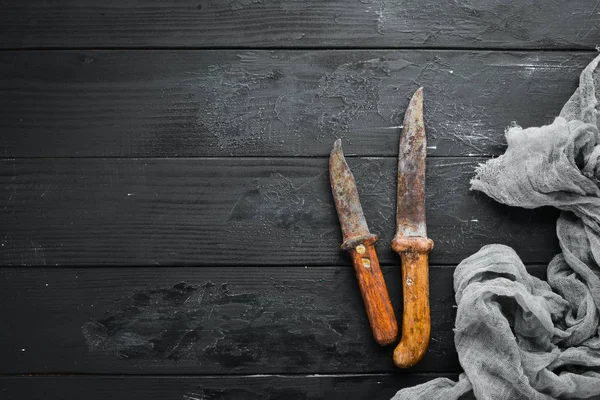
[[374, 293], [416, 322]]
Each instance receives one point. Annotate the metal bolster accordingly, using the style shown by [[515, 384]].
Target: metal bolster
[[351, 243], [414, 244]]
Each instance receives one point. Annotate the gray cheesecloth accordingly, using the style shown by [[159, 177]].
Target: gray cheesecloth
[[519, 337]]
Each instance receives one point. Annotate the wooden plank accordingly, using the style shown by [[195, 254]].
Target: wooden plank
[[242, 320], [334, 23], [238, 211], [280, 103], [256, 387]]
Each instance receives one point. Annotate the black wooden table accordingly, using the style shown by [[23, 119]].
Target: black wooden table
[[167, 228]]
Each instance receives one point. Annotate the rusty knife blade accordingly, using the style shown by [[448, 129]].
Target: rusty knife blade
[[347, 202], [410, 208]]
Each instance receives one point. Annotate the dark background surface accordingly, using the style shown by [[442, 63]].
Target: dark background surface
[[167, 229]]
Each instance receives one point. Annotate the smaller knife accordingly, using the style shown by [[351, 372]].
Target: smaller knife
[[358, 241]]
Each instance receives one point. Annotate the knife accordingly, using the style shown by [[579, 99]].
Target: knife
[[411, 241], [358, 241]]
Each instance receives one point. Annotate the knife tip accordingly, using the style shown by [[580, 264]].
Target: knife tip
[[418, 94], [337, 146], [415, 106]]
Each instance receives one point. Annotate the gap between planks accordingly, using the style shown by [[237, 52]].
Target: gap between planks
[[304, 48]]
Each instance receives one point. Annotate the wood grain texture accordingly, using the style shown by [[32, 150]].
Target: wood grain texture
[[240, 211], [203, 321], [343, 387], [255, 226], [279, 103], [239, 320], [332, 23], [416, 318], [416, 315], [374, 292]]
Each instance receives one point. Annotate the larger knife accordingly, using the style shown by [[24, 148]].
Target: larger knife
[[358, 241], [411, 241]]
